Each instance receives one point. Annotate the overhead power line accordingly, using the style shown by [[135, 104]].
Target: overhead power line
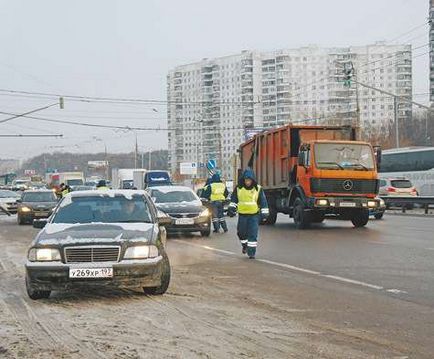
[[35, 135]]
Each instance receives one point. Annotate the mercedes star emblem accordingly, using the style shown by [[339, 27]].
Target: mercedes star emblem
[[347, 185]]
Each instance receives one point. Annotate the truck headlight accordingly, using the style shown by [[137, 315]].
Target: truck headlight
[[25, 209], [44, 255], [372, 204], [322, 202], [205, 213], [141, 252], [382, 203]]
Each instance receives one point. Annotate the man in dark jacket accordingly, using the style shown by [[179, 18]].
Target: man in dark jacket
[[216, 192], [249, 198]]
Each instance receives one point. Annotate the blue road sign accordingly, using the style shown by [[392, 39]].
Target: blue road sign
[[211, 164]]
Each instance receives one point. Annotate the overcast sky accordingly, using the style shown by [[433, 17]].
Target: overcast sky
[[125, 48]]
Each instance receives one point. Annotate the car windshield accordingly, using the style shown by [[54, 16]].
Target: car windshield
[[39, 197], [174, 196], [105, 209], [9, 194], [74, 182], [401, 183], [344, 156]]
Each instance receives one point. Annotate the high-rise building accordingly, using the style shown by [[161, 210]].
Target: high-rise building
[[214, 102]]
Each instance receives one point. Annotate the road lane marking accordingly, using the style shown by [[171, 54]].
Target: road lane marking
[[299, 269]]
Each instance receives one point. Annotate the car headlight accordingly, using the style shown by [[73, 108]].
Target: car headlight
[[372, 204], [25, 209], [44, 255], [205, 213], [141, 252]]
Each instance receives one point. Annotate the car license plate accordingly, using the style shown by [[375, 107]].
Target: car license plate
[[182, 221], [90, 272], [347, 204], [41, 214]]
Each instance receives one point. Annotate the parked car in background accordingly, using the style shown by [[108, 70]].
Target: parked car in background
[[9, 201], [99, 239], [157, 178], [397, 187], [184, 207], [36, 204], [20, 184]]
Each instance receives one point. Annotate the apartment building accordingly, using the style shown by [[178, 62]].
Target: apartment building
[[431, 47], [213, 103]]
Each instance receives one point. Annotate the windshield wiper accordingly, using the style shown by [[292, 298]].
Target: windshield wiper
[[331, 163], [359, 164], [133, 221]]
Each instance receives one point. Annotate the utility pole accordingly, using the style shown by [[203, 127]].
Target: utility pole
[[395, 116], [135, 153], [150, 154]]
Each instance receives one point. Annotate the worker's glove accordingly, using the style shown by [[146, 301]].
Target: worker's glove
[[265, 212], [232, 209]]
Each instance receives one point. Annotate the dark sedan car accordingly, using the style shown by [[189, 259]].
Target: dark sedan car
[[99, 238], [36, 204], [184, 207]]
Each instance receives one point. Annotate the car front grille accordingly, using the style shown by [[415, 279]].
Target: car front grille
[[92, 254], [183, 215], [342, 185]]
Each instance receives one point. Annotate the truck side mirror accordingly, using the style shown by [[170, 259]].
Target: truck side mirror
[[378, 154], [302, 158]]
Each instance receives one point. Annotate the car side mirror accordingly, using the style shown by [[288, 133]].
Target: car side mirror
[[204, 201], [39, 223], [19, 200], [163, 219]]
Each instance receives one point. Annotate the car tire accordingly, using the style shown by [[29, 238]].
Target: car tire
[[302, 219], [379, 215], [165, 279], [20, 220], [206, 233], [36, 294], [360, 218]]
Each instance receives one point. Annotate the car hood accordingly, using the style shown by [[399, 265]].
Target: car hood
[[64, 234], [184, 207], [8, 200], [40, 205]]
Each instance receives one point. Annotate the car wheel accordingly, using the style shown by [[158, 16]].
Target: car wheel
[[378, 215], [20, 220], [36, 294], [360, 218], [206, 233], [165, 279], [302, 219]]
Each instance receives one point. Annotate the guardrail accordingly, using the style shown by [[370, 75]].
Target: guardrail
[[403, 202]]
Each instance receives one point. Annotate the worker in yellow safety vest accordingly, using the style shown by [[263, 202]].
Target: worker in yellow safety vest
[[216, 192], [250, 201]]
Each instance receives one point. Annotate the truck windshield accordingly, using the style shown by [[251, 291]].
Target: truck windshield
[[341, 156]]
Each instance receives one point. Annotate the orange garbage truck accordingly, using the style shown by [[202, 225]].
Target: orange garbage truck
[[314, 172]]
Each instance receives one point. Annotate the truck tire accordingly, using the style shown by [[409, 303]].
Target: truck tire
[[165, 279], [379, 215], [36, 294], [360, 218], [302, 219]]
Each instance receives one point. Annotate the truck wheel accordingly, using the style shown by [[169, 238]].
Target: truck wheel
[[378, 215], [36, 294], [165, 279], [302, 219], [360, 218]]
